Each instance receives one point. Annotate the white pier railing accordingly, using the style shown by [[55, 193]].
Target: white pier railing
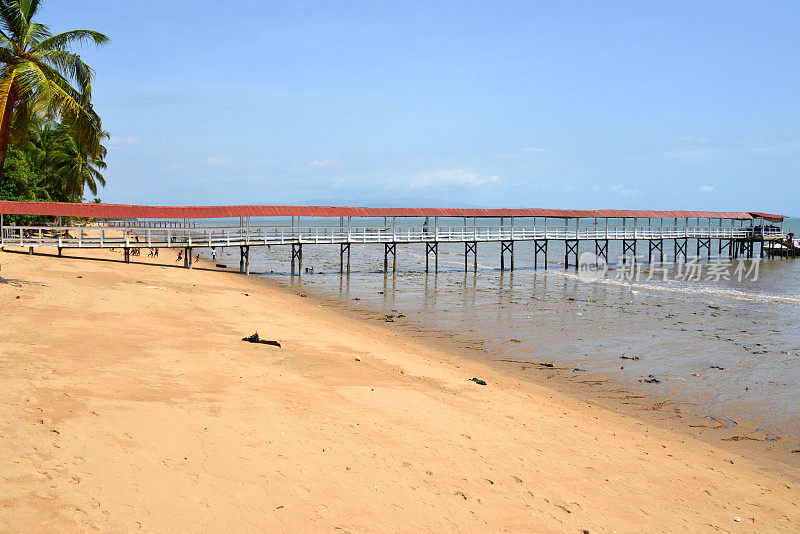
[[177, 237]]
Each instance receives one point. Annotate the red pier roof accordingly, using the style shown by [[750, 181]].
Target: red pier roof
[[126, 211]]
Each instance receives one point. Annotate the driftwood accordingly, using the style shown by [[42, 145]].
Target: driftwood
[[255, 339]]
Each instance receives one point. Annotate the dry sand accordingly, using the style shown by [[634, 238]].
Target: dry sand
[[129, 402]]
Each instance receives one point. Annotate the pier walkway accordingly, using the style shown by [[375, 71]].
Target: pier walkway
[[126, 227]]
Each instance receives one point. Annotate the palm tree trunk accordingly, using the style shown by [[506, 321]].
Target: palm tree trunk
[[5, 127]]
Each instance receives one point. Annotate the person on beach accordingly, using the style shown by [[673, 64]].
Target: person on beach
[[155, 252], [197, 258], [213, 254], [180, 256]]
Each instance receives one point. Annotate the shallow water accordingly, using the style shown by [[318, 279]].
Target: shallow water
[[728, 348]]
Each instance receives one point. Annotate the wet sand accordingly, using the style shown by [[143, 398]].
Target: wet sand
[[130, 402], [728, 352]]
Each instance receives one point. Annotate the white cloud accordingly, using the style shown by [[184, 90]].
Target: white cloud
[[706, 188], [616, 188], [449, 177], [325, 163], [534, 149], [774, 147]]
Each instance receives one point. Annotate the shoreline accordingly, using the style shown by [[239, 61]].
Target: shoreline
[[516, 427], [593, 387], [597, 388]]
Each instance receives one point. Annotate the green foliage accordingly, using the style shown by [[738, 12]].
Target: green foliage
[[42, 79], [51, 166], [50, 136], [22, 181]]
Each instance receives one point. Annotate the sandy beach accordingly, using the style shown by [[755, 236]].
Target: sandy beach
[[131, 403]]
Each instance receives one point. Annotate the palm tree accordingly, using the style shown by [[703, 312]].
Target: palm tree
[[37, 73], [74, 168]]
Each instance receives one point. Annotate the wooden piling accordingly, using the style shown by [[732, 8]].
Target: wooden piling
[[297, 257], [506, 246], [244, 259], [601, 249], [570, 247], [680, 248], [432, 248], [471, 246], [344, 249], [389, 248], [655, 245], [539, 248], [628, 245]]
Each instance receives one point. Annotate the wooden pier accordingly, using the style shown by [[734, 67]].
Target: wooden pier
[[735, 234]]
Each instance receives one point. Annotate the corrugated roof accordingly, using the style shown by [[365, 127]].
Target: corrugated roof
[[125, 211], [769, 216]]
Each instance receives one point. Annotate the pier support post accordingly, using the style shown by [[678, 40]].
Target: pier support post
[[471, 246], [703, 244], [506, 246], [761, 248], [570, 247], [601, 249], [59, 251], [344, 249], [187, 257], [432, 248], [628, 245], [127, 254], [539, 245], [390, 248], [244, 259], [680, 248], [723, 244], [656, 245], [297, 256]]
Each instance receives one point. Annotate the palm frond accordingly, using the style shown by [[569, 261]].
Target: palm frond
[[12, 19], [72, 66], [6, 55], [30, 7], [35, 32], [5, 40], [62, 40], [45, 100], [81, 119], [34, 86]]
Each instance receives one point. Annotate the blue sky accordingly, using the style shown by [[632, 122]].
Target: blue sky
[[667, 105]]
